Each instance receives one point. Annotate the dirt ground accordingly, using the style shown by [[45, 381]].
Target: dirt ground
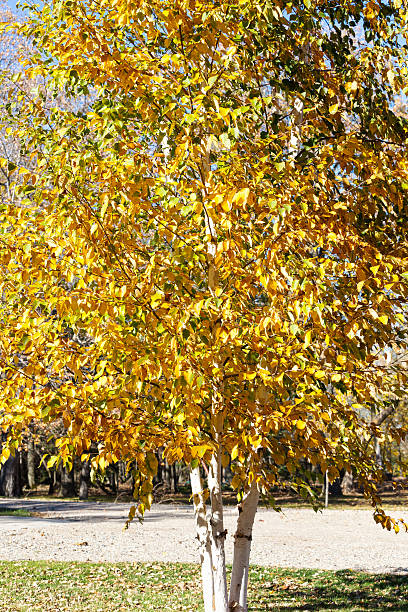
[[297, 537]]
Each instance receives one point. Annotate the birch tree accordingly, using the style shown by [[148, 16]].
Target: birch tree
[[226, 223]]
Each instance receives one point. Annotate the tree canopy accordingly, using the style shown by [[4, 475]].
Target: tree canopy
[[210, 255]]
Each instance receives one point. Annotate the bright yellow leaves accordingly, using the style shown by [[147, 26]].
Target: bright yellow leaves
[[234, 452], [172, 259], [308, 339], [240, 199]]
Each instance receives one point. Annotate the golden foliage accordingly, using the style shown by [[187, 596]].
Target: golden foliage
[[217, 239]]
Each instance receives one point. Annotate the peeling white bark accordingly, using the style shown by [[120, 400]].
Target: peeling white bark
[[216, 519], [204, 539], [242, 548], [217, 534]]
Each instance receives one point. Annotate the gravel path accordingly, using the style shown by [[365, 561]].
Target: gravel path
[[86, 531]]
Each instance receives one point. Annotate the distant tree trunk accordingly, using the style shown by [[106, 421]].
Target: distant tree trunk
[[31, 463], [174, 479], [67, 483], [10, 479], [167, 475], [52, 480], [378, 453], [23, 469], [84, 480], [113, 481], [347, 483], [159, 475]]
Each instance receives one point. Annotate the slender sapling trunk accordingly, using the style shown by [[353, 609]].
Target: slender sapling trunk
[[218, 534], [204, 539], [242, 548]]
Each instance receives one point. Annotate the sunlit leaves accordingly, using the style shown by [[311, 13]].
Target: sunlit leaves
[[173, 252]]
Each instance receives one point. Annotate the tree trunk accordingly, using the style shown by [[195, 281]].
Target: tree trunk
[[203, 538], [242, 548], [347, 483], [67, 483], [113, 481], [217, 534], [159, 475], [174, 479], [84, 480], [31, 462], [210, 530], [167, 475], [378, 453], [10, 481]]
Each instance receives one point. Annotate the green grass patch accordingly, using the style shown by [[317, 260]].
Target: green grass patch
[[96, 587], [17, 512]]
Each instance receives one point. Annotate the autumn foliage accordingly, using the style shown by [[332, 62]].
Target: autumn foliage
[[210, 255]]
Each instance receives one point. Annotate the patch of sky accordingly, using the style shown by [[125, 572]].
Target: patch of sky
[[12, 5]]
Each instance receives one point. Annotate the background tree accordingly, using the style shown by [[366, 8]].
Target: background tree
[[226, 226]]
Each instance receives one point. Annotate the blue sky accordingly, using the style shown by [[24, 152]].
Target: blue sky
[[12, 4]]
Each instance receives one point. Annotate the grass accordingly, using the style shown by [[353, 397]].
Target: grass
[[17, 512], [95, 587]]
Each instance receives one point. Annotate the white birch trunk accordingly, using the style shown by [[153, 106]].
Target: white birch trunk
[[216, 519], [242, 548], [217, 534], [204, 539]]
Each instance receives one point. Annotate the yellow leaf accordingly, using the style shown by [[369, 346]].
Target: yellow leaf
[[202, 450], [333, 108], [234, 452], [179, 419], [300, 424], [197, 307], [235, 482], [341, 359], [226, 205], [308, 337], [241, 197]]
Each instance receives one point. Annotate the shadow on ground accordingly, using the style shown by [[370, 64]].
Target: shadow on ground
[[308, 591]]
